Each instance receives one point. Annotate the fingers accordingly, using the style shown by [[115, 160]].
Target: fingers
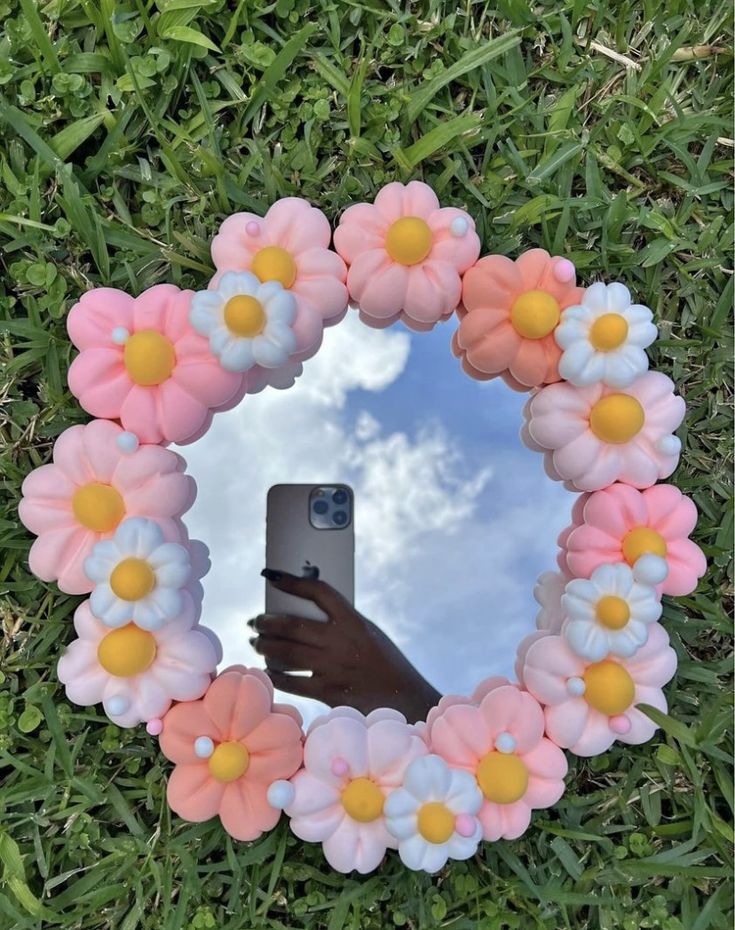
[[334, 604], [286, 626], [286, 655]]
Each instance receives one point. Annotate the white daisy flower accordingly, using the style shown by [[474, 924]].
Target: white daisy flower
[[247, 323], [138, 577], [432, 815], [609, 613], [604, 337], [547, 593]]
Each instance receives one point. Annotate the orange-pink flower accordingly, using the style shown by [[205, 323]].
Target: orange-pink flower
[[229, 747], [512, 309]]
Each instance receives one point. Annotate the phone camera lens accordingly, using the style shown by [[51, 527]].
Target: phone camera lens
[[340, 497], [339, 517], [320, 507]]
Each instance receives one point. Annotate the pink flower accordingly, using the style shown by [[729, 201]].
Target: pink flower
[[513, 308], [619, 524], [588, 705], [136, 673], [561, 540], [229, 747], [351, 763], [448, 700], [141, 362], [290, 244], [89, 489], [501, 742], [595, 436], [406, 255]]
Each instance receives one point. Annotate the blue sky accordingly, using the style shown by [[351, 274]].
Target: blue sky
[[454, 521]]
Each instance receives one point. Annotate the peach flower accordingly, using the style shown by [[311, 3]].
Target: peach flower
[[620, 524], [290, 244], [588, 705], [92, 485], [141, 362], [228, 748], [351, 764], [513, 308], [406, 255], [594, 436], [561, 540], [136, 673], [501, 742]]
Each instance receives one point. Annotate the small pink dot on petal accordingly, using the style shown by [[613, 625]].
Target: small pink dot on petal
[[464, 825], [564, 270], [340, 767], [620, 724], [154, 726], [252, 229]]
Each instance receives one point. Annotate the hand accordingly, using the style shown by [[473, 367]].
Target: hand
[[351, 661]]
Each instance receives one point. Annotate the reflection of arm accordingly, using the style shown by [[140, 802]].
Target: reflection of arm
[[350, 659]]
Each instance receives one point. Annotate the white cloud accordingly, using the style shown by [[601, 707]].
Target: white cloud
[[446, 551]]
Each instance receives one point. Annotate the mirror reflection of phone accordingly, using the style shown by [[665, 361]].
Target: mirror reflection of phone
[[310, 532]]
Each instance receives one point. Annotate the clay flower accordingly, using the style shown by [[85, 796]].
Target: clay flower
[[290, 245], [136, 674], [609, 613], [595, 435], [547, 593], [513, 308], [432, 815], [604, 337], [228, 748], [591, 704], [246, 322], [92, 485], [138, 577], [141, 362], [620, 524], [406, 255], [561, 540], [501, 743], [351, 763]]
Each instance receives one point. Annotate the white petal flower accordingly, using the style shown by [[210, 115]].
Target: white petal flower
[[247, 323], [139, 578], [433, 814], [609, 613], [547, 593], [604, 337]]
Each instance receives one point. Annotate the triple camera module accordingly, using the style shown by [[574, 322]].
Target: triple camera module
[[330, 507]]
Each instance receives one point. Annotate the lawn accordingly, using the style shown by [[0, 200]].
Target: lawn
[[599, 130]]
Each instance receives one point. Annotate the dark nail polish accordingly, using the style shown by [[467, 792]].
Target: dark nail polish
[[251, 622], [253, 640], [271, 574]]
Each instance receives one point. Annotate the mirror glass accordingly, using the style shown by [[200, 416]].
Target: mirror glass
[[454, 518]]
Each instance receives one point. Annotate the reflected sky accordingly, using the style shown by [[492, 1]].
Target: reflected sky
[[454, 517]]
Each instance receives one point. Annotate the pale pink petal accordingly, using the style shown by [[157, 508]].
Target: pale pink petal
[[547, 767], [504, 821], [433, 290], [58, 555], [687, 564], [389, 202], [294, 225], [579, 455], [360, 228], [378, 284], [92, 319], [153, 306], [461, 736], [99, 380], [391, 747], [549, 663], [459, 251], [358, 846], [642, 727], [341, 737], [596, 738], [669, 511], [81, 673], [180, 414], [233, 248], [313, 797], [70, 457], [139, 414], [566, 721], [654, 664]]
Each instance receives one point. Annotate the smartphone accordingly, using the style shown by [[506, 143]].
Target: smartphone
[[310, 531]]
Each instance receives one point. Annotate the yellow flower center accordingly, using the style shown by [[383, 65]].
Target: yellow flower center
[[244, 316], [274, 264], [608, 332], [149, 358], [608, 687], [435, 822], [98, 507], [126, 652], [641, 541], [229, 761], [613, 612], [363, 800], [535, 314], [409, 240], [132, 579], [502, 776], [617, 418]]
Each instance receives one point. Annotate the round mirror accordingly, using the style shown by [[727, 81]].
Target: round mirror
[[453, 517]]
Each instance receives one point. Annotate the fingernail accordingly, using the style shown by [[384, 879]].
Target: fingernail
[[253, 640], [271, 574], [251, 622]]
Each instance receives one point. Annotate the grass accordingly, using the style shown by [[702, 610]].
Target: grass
[[127, 130]]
